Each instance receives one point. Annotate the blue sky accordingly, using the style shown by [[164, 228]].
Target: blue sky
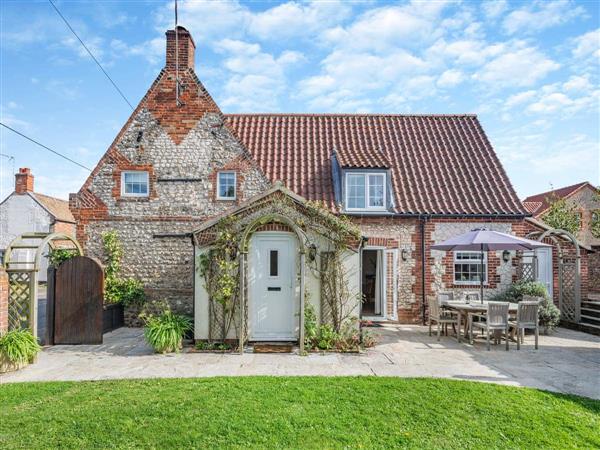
[[529, 70]]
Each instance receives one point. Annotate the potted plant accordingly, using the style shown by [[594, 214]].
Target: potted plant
[[165, 331], [18, 348]]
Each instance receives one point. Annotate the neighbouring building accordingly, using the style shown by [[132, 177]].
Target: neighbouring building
[[180, 165], [584, 196], [25, 210]]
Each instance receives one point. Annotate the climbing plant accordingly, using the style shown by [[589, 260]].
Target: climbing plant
[[126, 291], [562, 215], [220, 268]]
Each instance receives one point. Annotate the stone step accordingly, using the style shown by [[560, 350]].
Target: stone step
[[585, 327], [591, 312], [590, 320], [591, 305], [594, 297]]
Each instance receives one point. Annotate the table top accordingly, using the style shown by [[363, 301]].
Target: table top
[[475, 305]]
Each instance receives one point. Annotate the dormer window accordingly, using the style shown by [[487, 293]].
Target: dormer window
[[365, 191]]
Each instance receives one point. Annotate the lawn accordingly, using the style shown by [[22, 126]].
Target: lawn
[[307, 412]]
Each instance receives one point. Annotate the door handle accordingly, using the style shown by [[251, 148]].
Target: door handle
[[273, 288]]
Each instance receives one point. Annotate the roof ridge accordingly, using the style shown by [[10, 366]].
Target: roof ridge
[[280, 114], [50, 196], [565, 188]]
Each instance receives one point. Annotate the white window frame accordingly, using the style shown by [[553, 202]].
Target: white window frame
[[366, 175], [135, 194], [469, 261], [234, 185]]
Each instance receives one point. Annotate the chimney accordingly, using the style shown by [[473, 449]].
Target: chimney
[[187, 49], [23, 181]]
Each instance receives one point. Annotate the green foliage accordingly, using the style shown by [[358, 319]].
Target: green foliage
[[325, 337], [127, 291], [562, 215], [57, 256], [213, 346], [165, 331], [549, 315], [19, 346], [114, 252], [595, 223]]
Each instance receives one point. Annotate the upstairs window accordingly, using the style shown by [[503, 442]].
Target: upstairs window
[[134, 184], [467, 267], [226, 186], [365, 191]]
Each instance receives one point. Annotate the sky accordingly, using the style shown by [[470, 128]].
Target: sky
[[529, 70]]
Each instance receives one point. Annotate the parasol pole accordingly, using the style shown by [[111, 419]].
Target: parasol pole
[[481, 273]]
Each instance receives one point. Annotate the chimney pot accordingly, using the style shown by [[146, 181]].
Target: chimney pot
[[187, 49], [23, 181]]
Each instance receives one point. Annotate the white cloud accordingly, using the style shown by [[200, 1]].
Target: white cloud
[[494, 8], [578, 83], [540, 15], [520, 98], [450, 78], [587, 44], [516, 67]]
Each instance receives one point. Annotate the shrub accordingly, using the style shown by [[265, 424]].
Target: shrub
[[127, 291], [165, 332], [549, 315], [327, 337], [19, 346], [57, 256]]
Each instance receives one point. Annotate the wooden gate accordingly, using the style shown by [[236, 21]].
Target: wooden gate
[[75, 298]]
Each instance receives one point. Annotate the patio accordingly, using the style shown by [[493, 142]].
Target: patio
[[567, 361]]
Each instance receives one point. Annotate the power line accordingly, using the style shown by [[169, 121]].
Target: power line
[[90, 53], [43, 146]]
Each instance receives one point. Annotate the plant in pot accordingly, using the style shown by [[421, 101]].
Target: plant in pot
[[165, 331], [17, 349]]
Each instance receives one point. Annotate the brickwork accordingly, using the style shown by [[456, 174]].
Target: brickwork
[[594, 271], [23, 181]]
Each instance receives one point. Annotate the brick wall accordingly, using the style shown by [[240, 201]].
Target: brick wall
[[594, 271], [3, 300]]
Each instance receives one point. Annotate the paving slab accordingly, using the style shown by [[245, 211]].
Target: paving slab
[[567, 361]]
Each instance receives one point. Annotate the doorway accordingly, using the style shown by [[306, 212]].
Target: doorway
[[373, 283], [272, 307]]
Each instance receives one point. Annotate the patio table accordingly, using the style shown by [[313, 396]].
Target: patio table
[[464, 308]]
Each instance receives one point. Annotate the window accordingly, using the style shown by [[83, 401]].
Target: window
[[273, 263], [226, 186], [467, 267], [134, 184], [365, 191]]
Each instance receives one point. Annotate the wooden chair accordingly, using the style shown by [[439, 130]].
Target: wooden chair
[[496, 319], [527, 318], [441, 317]]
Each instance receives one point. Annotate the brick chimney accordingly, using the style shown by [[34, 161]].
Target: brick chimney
[[187, 49], [23, 181]]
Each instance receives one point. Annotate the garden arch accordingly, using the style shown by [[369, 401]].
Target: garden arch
[[569, 273], [23, 275]]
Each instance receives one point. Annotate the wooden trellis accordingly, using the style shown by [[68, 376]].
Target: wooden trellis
[[22, 264]]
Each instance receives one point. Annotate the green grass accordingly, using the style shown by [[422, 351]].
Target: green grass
[[307, 412]]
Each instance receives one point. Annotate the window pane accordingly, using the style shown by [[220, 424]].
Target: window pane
[[467, 267], [356, 191], [135, 183], [376, 190], [273, 263], [227, 185]]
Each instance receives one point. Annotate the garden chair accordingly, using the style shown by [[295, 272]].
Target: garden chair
[[527, 318], [496, 319], [440, 316]]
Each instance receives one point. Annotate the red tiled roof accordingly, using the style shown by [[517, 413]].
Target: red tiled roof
[[440, 164], [544, 199]]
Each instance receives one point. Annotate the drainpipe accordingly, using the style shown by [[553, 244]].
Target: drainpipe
[[423, 262]]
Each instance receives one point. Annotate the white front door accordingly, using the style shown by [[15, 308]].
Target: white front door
[[544, 268], [272, 305]]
